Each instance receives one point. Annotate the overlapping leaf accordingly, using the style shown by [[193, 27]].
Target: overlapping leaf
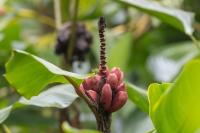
[[4, 113], [59, 96], [29, 74], [138, 96], [177, 109], [155, 91]]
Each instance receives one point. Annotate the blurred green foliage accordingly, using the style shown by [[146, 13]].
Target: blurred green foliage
[[134, 38]]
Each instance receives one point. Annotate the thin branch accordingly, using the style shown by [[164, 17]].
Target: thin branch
[[57, 14], [90, 103], [73, 30], [195, 41]]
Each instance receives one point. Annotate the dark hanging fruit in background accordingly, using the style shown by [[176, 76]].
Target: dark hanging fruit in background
[[82, 42]]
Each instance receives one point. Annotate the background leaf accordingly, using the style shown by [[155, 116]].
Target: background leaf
[[166, 62], [119, 53], [179, 19], [68, 129], [4, 113], [87, 7], [138, 96], [59, 96]]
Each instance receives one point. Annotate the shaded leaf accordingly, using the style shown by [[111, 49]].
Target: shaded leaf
[[4, 113], [8, 38], [138, 96], [179, 19], [60, 96]]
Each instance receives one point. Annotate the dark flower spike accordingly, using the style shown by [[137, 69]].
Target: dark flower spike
[[102, 65], [106, 89]]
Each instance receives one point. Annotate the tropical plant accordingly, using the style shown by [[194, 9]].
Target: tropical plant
[[172, 105]]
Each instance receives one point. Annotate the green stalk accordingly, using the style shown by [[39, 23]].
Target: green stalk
[[57, 14], [73, 30], [195, 41]]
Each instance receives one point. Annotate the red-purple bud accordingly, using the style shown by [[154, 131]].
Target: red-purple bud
[[86, 83], [119, 73], [91, 83], [118, 101], [112, 80], [121, 87], [106, 71], [106, 96], [113, 94], [82, 88], [92, 95], [95, 86]]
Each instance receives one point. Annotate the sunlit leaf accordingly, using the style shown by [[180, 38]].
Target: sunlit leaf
[[155, 91], [138, 96], [29, 74], [177, 109], [179, 19], [60, 96]]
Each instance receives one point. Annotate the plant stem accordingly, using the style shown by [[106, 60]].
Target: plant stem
[[63, 116], [103, 122], [57, 14], [76, 120], [103, 118], [63, 113], [195, 41], [73, 30]]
